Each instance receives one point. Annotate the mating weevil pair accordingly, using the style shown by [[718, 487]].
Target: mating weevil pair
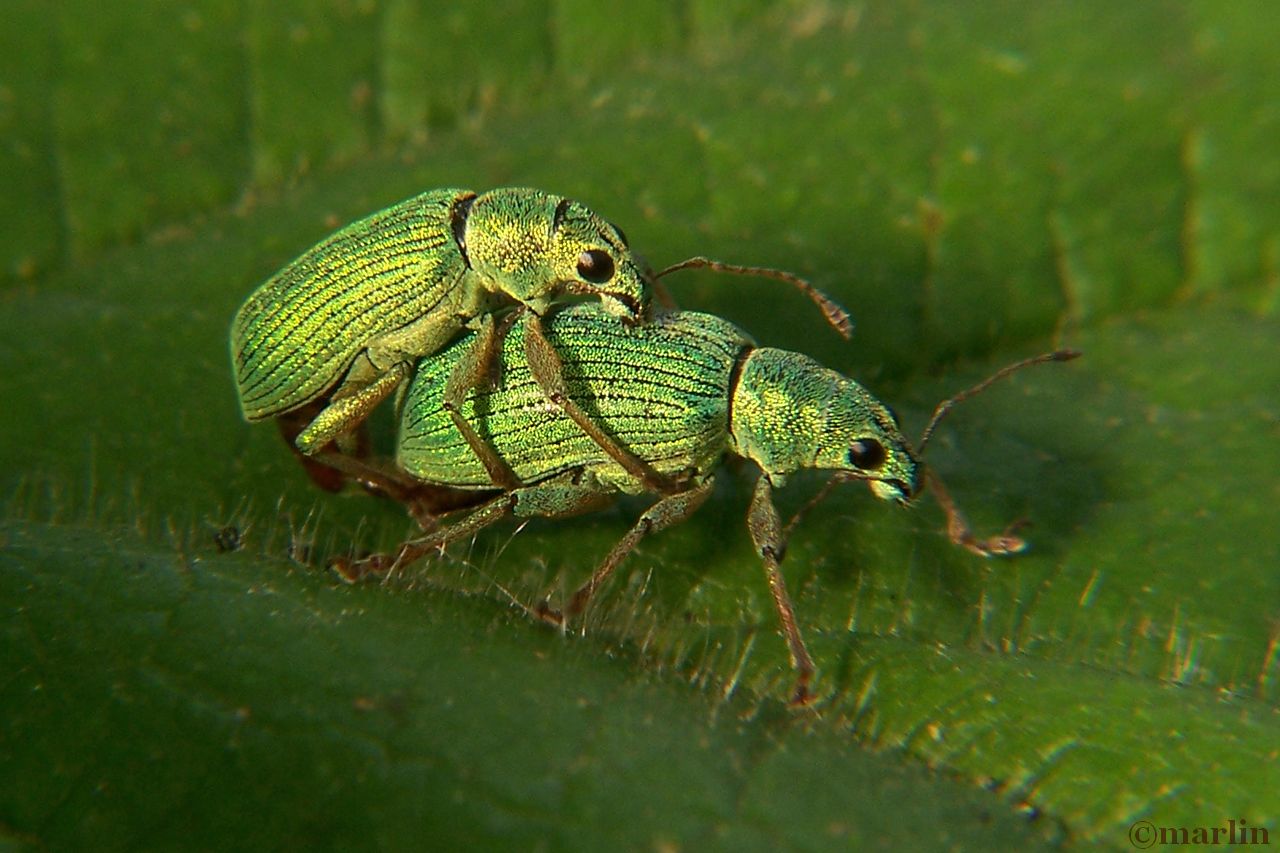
[[334, 333], [587, 407]]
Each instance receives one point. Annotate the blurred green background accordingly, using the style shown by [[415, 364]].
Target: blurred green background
[[974, 181]]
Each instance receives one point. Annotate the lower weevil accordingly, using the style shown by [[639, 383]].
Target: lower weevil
[[680, 393]]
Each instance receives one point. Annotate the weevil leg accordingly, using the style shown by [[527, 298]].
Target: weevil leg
[[473, 371], [819, 497], [425, 502], [662, 297], [382, 565], [767, 535], [548, 370], [347, 460], [1002, 545], [566, 494], [327, 477], [345, 413], [669, 510]]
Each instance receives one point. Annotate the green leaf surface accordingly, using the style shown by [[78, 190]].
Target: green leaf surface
[[976, 182]]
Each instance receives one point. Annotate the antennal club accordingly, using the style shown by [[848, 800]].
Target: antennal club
[[947, 405], [959, 531], [836, 316]]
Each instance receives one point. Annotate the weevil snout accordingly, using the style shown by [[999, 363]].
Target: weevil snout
[[883, 458], [632, 310], [896, 490]]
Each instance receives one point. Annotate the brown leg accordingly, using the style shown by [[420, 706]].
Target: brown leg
[[958, 528], [663, 296], [669, 510], [766, 533], [473, 371], [548, 370], [821, 495], [382, 565], [566, 494], [425, 502]]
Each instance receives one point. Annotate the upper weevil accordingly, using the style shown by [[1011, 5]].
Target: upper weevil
[[680, 393], [322, 342]]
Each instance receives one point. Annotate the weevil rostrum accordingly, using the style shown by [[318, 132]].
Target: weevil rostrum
[[680, 393], [330, 336]]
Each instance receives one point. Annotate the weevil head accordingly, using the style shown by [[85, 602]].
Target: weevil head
[[789, 413], [538, 249]]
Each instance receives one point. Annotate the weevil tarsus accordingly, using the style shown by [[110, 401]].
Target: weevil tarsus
[[958, 530]]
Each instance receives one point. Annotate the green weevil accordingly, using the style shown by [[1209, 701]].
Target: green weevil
[[331, 335], [681, 393]]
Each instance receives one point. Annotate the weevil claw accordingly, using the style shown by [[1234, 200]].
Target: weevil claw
[[355, 571], [800, 696], [345, 569], [549, 614]]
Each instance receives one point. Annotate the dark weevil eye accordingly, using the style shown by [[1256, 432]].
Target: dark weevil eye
[[595, 266], [866, 454]]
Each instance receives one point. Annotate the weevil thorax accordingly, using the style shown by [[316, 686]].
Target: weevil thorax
[[789, 412], [536, 247]]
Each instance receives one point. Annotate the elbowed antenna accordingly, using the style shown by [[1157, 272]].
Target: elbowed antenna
[[1007, 542], [948, 404], [836, 315]]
